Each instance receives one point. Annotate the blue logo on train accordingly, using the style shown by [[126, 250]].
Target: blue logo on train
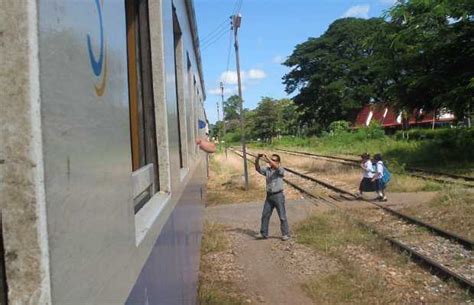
[[99, 66]]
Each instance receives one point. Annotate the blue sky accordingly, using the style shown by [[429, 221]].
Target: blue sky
[[269, 32]]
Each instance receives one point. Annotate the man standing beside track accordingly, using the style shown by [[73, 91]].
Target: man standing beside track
[[275, 197]]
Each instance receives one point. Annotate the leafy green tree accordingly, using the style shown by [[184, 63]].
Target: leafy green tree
[[288, 119], [217, 130], [429, 54], [231, 113], [266, 119], [231, 108], [333, 72], [250, 116]]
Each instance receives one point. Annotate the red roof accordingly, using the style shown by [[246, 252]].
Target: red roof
[[362, 116], [387, 116], [390, 118]]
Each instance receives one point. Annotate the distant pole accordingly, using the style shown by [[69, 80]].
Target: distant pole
[[218, 118], [469, 115], [236, 19], [223, 118]]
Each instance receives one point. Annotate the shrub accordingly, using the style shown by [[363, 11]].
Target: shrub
[[373, 131], [232, 137], [454, 144], [337, 127], [439, 149]]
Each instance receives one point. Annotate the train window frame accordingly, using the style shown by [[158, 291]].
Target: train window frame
[[155, 211], [190, 103], [152, 206], [180, 94], [195, 110], [143, 141]]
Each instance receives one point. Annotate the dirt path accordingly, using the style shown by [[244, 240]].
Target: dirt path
[[276, 272], [273, 270]]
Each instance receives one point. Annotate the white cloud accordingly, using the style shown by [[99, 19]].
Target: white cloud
[[230, 77], [278, 59], [256, 74], [215, 91], [228, 90], [360, 11]]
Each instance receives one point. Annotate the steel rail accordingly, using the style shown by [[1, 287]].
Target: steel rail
[[432, 172], [412, 171], [440, 180], [323, 183], [300, 189], [422, 260], [467, 243]]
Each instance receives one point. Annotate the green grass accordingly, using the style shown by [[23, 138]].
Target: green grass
[[349, 286], [212, 291], [452, 210], [336, 235], [331, 233], [214, 295], [328, 231], [439, 153], [213, 239], [405, 183]]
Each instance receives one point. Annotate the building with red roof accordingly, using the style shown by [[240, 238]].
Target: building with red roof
[[390, 118]]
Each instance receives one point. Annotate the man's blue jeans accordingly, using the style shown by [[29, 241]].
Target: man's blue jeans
[[275, 201]]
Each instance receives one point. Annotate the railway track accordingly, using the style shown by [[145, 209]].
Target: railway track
[[430, 246], [294, 184], [412, 171]]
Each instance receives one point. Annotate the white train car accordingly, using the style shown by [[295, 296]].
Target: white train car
[[101, 183]]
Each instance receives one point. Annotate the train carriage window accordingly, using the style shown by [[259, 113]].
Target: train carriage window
[[195, 109], [179, 71], [190, 107], [142, 114]]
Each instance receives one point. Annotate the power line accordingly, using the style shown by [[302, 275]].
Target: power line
[[216, 39], [222, 25], [217, 28], [236, 5], [215, 34], [229, 51], [239, 7]]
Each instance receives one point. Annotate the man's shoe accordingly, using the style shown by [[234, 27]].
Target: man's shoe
[[285, 237], [261, 236]]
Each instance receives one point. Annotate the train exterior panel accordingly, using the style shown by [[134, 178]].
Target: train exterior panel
[[101, 183]]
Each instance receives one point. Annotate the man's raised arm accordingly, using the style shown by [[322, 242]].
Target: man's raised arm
[[257, 163], [272, 163]]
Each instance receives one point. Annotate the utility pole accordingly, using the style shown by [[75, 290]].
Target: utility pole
[[223, 119], [469, 115], [218, 119], [236, 19]]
